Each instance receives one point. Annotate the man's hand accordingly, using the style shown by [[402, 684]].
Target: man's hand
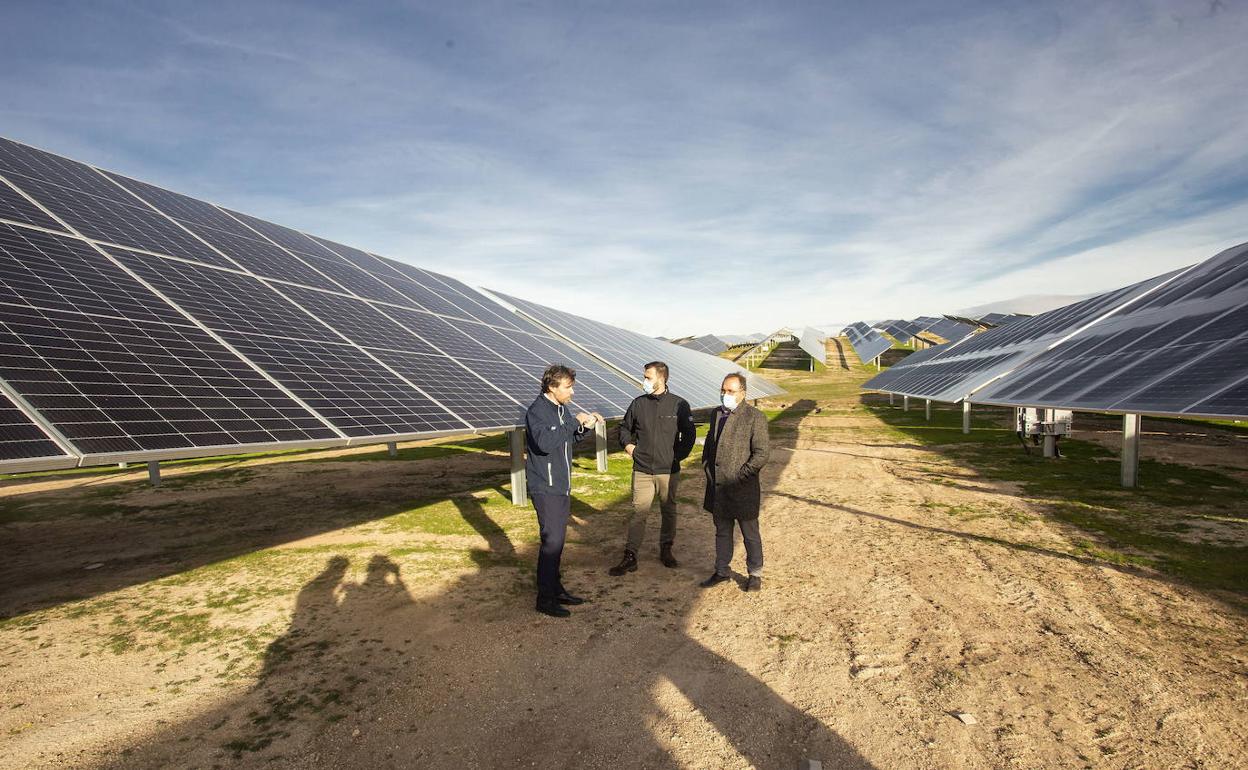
[[585, 419], [630, 449], [598, 417]]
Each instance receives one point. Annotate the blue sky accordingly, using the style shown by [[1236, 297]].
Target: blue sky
[[678, 168]]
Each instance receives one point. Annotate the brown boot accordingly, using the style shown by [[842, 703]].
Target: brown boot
[[665, 556], [627, 564]]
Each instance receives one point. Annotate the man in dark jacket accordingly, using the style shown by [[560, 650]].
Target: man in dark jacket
[[658, 433], [735, 452], [550, 431]]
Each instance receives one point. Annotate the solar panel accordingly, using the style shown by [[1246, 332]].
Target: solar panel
[[962, 368], [1178, 351], [881, 380], [153, 325], [707, 343], [811, 341], [868, 344], [697, 377]]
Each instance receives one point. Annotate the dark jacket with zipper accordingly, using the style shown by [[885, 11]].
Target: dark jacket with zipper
[[662, 429], [550, 431]]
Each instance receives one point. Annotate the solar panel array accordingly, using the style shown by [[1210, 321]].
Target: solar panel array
[[707, 343], [961, 368], [950, 330], [694, 376], [867, 342], [1181, 350], [138, 323], [1001, 319], [812, 341], [898, 331]]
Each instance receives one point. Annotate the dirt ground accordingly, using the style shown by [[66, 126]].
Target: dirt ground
[[329, 610]]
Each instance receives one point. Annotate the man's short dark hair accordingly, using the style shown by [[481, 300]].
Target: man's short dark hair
[[739, 377], [554, 375], [659, 367]]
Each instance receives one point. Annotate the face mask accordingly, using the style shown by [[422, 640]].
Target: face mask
[[647, 386], [730, 401]]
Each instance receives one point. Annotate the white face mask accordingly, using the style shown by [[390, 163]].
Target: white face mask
[[730, 401], [648, 386]]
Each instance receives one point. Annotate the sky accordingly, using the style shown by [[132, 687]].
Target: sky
[[677, 168]]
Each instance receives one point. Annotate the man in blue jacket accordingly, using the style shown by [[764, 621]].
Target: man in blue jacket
[[550, 432]]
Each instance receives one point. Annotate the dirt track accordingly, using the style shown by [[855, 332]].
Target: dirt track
[[885, 611]]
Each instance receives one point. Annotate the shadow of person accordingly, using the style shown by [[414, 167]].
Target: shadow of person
[[461, 672]]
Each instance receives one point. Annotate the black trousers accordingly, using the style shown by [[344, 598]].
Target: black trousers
[[552, 521], [724, 545]]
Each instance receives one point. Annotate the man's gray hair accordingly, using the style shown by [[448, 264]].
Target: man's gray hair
[[739, 377]]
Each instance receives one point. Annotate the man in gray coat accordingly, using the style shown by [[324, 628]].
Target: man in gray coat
[[735, 452]]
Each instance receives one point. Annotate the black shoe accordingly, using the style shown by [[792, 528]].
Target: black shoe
[[755, 583], [552, 609], [627, 564], [665, 556], [714, 580], [566, 598]]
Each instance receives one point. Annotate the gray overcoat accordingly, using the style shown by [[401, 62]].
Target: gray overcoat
[[732, 487]]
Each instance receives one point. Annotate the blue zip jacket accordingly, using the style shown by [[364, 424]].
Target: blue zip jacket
[[550, 431]]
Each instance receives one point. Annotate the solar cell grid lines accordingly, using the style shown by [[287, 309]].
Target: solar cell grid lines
[[1177, 351], [57, 272], [113, 385]]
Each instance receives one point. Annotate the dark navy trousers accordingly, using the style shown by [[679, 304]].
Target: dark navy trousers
[[553, 512]]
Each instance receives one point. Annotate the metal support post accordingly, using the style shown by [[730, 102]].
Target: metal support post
[[905, 403], [890, 399], [600, 446], [519, 487], [123, 466], [1050, 445], [966, 416], [153, 473], [877, 362], [393, 449], [927, 409], [1130, 450]]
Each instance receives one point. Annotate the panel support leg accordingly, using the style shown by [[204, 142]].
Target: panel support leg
[[1050, 445], [905, 403], [927, 409], [519, 487], [393, 448], [153, 473], [890, 399], [877, 362], [1130, 450], [600, 446], [966, 416], [123, 466]]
